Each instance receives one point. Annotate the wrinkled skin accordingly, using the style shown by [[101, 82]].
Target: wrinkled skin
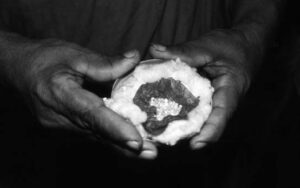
[[225, 57], [54, 72], [57, 70], [51, 74]]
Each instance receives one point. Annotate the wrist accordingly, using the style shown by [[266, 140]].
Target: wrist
[[15, 52], [229, 47]]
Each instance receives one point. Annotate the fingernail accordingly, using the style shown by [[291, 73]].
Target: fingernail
[[198, 145], [148, 154], [159, 47], [133, 145], [130, 54]]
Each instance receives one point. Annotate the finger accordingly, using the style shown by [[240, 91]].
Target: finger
[[110, 125], [189, 54], [148, 151], [162, 52], [128, 152], [106, 69], [89, 112], [224, 102]]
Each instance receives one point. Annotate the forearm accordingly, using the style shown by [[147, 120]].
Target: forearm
[[255, 21], [242, 44], [256, 18], [14, 52]]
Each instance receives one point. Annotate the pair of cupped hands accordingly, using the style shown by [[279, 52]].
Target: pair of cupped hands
[[54, 72]]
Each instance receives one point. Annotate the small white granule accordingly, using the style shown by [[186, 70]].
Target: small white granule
[[165, 107]]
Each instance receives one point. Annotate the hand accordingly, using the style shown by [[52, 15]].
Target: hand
[[222, 56], [52, 83]]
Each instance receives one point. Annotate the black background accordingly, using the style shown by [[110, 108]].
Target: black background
[[258, 149]]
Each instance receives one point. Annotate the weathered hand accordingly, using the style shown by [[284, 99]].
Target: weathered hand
[[221, 54], [52, 84]]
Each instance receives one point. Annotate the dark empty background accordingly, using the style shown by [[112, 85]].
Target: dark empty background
[[259, 148]]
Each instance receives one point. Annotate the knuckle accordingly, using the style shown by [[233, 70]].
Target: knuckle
[[56, 87], [82, 59], [88, 120], [80, 65], [40, 91], [50, 93], [111, 62]]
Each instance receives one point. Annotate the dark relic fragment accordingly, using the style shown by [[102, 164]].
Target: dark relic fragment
[[166, 89]]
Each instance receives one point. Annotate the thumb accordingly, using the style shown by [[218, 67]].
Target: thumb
[[162, 52], [109, 68]]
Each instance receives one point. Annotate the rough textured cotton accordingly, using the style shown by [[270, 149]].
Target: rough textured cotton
[[125, 89]]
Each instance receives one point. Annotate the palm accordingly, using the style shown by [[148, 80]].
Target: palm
[[55, 79], [228, 77]]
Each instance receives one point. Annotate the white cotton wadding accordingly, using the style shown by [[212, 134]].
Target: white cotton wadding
[[124, 90]]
